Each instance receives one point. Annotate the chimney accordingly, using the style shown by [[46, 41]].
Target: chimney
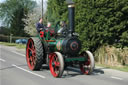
[[71, 15]]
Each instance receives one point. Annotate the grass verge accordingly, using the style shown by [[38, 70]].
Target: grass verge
[[19, 46], [121, 68]]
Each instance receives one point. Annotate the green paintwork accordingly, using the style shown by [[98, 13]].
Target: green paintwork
[[75, 59], [47, 35], [57, 45]]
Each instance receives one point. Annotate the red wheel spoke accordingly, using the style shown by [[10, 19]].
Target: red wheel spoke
[[57, 63], [30, 54], [34, 60], [85, 67], [33, 48], [56, 70], [31, 58], [33, 53], [87, 63], [32, 63], [54, 65]]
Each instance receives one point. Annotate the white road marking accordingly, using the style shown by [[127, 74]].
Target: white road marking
[[2, 60], [114, 77], [18, 53], [28, 71]]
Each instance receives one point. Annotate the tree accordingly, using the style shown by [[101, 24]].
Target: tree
[[13, 12], [33, 18], [4, 30], [98, 22], [56, 11], [30, 22]]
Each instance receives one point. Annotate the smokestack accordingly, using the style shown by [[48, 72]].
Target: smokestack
[[71, 15]]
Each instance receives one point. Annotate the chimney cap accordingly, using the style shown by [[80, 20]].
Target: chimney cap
[[69, 2]]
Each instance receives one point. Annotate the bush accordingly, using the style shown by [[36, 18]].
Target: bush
[[4, 38], [109, 55]]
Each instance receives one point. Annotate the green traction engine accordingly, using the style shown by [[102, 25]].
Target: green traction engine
[[59, 50]]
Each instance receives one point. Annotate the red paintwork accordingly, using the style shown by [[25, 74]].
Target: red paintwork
[[54, 64], [30, 54], [75, 44], [52, 32], [86, 64], [41, 34]]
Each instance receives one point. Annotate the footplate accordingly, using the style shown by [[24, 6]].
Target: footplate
[[72, 59]]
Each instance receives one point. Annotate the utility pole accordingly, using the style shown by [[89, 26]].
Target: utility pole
[[42, 9]]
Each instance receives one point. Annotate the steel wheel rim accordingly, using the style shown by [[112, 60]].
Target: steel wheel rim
[[30, 55], [85, 67], [54, 65]]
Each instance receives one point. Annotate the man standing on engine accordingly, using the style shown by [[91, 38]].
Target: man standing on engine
[[39, 25]]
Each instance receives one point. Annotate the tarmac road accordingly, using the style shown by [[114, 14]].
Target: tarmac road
[[14, 71]]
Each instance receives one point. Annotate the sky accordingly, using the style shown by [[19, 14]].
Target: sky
[[2, 1], [39, 2], [33, 0]]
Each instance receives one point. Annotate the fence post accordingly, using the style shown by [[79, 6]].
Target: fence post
[[11, 38]]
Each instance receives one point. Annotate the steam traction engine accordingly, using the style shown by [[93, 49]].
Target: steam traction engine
[[58, 51]]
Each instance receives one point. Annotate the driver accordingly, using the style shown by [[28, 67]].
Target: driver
[[39, 25], [62, 27]]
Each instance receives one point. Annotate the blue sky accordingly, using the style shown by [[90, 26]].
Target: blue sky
[[2, 1]]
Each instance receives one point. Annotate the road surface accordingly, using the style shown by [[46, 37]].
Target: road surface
[[14, 71]]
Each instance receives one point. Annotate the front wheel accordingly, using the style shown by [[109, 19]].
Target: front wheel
[[56, 64], [88, 66]]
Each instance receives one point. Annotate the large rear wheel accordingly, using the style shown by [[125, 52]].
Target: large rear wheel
[[34, 53], [56, 64], [88, 66]]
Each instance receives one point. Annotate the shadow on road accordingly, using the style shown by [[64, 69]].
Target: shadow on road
[[98, 71], [72, 72], [75, 71]]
